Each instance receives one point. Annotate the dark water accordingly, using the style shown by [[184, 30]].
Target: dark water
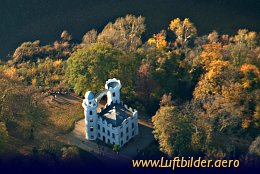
[[28, 20]]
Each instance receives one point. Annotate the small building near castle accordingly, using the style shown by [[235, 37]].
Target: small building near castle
[[116, 123]]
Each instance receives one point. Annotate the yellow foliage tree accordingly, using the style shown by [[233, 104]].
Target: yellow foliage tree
[[10, 72], [159, 40], [32, 71], [211, 82], [34, 82], [57, 63], [251, 75], [184, 30], [211, 52]]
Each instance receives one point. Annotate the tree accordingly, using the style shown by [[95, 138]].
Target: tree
[[184, 30], [3, 137], [26, 51], [146, 86], [125, 33], [211, 52], [254, 148], [159, 40], [50, 150], [243, 43], [166, 100], [89, 38], [173, 130], [90, 67], [213, 37], [63, 48], [225, 105], [65, 36], [116, 148], [251, 76], [70, 153]]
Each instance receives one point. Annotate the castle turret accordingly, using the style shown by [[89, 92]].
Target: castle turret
[[113, 94], [89, 104]]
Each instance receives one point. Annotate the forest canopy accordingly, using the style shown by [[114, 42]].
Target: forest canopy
[[202, 92]]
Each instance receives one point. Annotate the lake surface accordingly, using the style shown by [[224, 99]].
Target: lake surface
[[44, 20]]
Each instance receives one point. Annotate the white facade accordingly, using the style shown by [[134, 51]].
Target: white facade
[[116, 123]]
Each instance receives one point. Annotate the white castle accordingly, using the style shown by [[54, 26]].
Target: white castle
[[116, 123]]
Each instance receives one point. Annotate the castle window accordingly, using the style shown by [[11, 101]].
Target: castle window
[[98, 127], [114, 94], [127, 130], [133, 133], [91, 128], [133, 125], [108, 140], [121, 134], [90, 112], [113, 135], [92, 136], [91, 120], [99, 135], [121, 142], [127, 138], [103, 129], [108, 132]]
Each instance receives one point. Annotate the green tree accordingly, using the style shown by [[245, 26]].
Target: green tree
[[173, 130], [90, 67], [116, 148]]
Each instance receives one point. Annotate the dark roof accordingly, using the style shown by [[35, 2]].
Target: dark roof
[[113, 85], [89, 95], [115, 114]]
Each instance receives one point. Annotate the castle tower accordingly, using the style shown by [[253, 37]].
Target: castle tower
[[89, 104], [113, 94]]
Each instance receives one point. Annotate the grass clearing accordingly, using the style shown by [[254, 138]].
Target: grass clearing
[[63, 111]]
